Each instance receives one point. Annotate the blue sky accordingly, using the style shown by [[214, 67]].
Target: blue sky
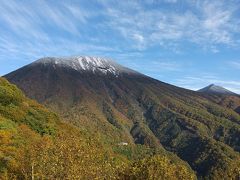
[[188, 43]]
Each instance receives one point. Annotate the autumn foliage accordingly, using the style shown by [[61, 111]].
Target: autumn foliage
[[36, 144]]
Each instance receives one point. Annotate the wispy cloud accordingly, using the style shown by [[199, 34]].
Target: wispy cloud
[[135, 25], [208, 23], [34, 29]]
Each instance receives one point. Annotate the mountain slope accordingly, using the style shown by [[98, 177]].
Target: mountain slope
[[133, 108], [32, 140], [35, 143]]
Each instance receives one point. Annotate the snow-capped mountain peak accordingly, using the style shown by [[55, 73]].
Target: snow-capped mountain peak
[[212, 88], [86, 63]]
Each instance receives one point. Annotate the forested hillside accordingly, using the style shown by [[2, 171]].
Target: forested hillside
[[36, 144], [118, 105]]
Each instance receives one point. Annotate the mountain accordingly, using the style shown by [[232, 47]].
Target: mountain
[[115, 104], [36, 143], [222, 97], [214, 89]]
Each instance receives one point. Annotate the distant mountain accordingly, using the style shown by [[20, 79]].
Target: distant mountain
[[222, 97], [214, 89], [116, 104]]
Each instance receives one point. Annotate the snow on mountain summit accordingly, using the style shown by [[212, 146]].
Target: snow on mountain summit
[[212, 88], [86, 63]]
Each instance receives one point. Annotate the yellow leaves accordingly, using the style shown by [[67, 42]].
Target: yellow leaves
[[158, 167], [68, 155], [5, 137], [7, 151]]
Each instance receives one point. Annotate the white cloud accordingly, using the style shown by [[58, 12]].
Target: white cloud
[[207, 23], [41, 26], [138, 37]]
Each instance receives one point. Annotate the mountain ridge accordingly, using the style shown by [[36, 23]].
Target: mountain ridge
[[137, 109]]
